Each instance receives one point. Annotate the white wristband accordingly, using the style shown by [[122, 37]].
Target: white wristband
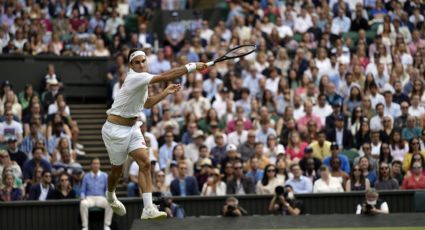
[[190, 67]]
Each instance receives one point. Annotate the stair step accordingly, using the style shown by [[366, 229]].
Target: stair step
[[90, 143], [88, 116], [90, 106], [94, 149], [88, 111], [91, 121], [90, 126], [90, 132], [90, 137]]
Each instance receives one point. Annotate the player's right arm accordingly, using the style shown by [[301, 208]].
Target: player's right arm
[[176, 73]]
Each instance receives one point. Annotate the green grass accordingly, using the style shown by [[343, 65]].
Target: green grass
[[371, 228]]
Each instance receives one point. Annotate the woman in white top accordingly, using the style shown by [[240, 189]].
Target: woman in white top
[[399, 147], [323, 63], [327, 183], [269, 182], [100, 50], [214, 186]]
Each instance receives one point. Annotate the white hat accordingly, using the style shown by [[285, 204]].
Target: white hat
[[231, 147], [53, 81]]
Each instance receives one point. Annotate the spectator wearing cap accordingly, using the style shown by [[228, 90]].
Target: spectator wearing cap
[[336, 111], [204, 168], [299, 183], [309, 116], [240, 184], [372, 205], [193, 149], [327, 183], [198, 104], [76, 180], [321, 147], [31, 164], [218, 152], [309, 157], [48, 96], [15, 154], [10, 129], [265, 130], [340, 134], [166, 150], [214, 186], [231, 154], [335, 153], [184, 185]]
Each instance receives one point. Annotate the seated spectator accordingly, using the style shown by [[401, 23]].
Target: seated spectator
[[6, 162], [385, 180], [321, 147], [179, 155], [92, 194], [414, 148], [231, 208], [254, 172], [269, 181], [218, 152], [10, 129], [159, 184], [240, 115], [340, 134], [309, 116], [299, 183], [25, 96], [335, 153], [336, 171], [172, 209], [166, 150], [259, 154], [367, 170], [203, 172], [15, 154], [285, 203], [411, 130], [327, 183], [357, 181], [184, 185], [295, 147], [55, 131], [214, 186], [372, 205], [9, 192], [197, 148], [65, 164], [30, 139], [416, 180], [308, 154], [34, 115], [48, 96], [36, 161], [63, 190], [240, 184], [77, 181], [16, 108], [41, 190], [247, 148], [265, 131]]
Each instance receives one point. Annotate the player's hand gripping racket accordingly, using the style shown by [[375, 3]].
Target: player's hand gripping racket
[[236, 52]]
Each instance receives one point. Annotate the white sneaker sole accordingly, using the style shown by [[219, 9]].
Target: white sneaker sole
[[120, 211], [159, 217]]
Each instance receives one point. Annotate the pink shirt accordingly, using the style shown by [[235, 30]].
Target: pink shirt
[[302, 122]]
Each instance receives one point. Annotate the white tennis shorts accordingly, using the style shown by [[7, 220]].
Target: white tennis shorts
[[120, 140]]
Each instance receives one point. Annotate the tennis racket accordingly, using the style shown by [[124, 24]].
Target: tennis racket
[[236, 52]]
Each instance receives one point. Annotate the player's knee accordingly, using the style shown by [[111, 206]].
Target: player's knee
[[144, 165]]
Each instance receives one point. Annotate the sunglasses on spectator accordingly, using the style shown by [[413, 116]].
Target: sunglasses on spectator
[[357, 169], [237, 167], [417, 167], [271, 170], [383, 168], [415, 143]]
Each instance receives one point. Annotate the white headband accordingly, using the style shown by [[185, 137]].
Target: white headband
[[135, 54]]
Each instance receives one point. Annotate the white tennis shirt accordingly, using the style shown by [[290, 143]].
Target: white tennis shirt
[[132, 96]]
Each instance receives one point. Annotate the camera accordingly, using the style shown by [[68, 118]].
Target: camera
[[368, 208], [279, 191]]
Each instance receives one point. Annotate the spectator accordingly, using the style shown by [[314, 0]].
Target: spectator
[[416, 180], [337, 172], [367, 170], [10, 129], [399, 147], [372, 205], [295, 147], [299, 183], [92, 194], [15, 154], [240, 184], [218, 152], [184, 185], [36, 161], [247, 148], [366, 151], [193, 150], [335, 153], [340, 134], [269, 181], [321, 147], [166, 150], [308, 154], [385, 180], [198, 104], [9, 192], [254, 172], [327, 183], [214, 186], [357, 181], [113, 23], [6, 162], [231, 208], [414, 148], [63, 190], [411, 130], [172, 209], [41, 190], [240, 135]]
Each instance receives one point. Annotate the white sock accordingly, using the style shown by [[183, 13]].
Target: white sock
[[147, 199], [111, 195]]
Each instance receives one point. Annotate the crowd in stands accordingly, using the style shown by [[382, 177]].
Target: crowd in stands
[[332, 101]]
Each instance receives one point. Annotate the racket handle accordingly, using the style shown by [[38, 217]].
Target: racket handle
[[211, 63]]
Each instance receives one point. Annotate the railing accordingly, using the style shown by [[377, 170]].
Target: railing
[[64, 214]]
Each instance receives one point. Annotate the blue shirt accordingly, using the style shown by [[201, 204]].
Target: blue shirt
[[94, 185], [301, 185], [345, 163], [166, 154], [256, 176], [182, 186]]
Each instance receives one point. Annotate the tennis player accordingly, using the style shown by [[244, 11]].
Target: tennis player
[[121, 135]]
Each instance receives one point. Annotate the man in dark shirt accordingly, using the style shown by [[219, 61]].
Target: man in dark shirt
[[15, 154]]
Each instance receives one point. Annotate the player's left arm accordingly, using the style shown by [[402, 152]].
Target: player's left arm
[[151, 101]]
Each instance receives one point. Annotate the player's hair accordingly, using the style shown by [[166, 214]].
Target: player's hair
[[130, 52]]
